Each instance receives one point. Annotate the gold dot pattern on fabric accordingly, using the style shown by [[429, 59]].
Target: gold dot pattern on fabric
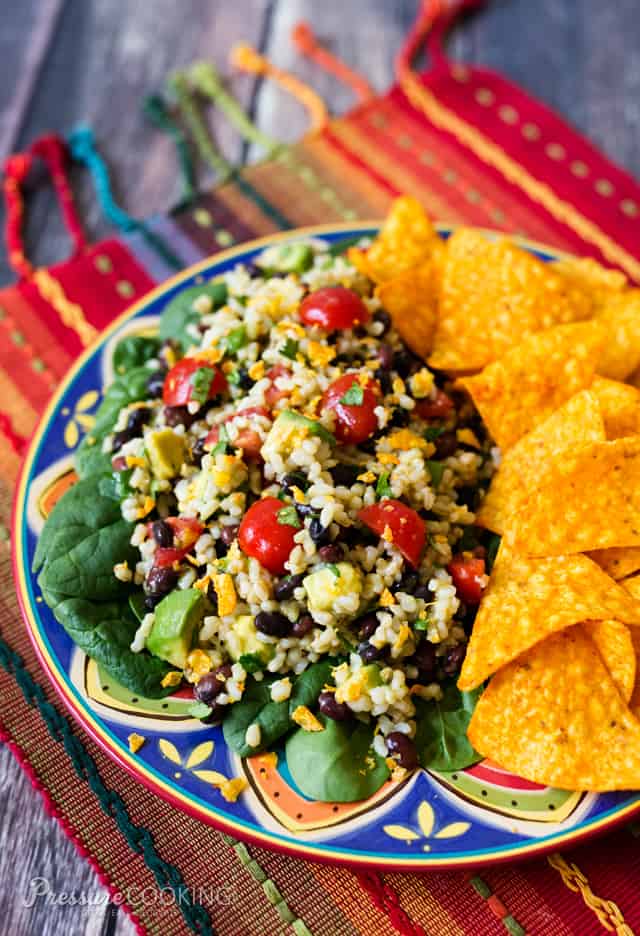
[[530, 131], [579, 169], [202, 217], [125, 289], [629, 208], [508, 114], [485, 97], [555, 151], [604, 187], [103, 263]]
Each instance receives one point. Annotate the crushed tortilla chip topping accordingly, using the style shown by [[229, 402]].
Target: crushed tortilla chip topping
[[173, 678], [306, 719]]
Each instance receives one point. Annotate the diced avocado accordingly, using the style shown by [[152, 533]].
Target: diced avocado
[[291, 428], [178, 616], [290, 258], [331, 582], [243, 640], [166, 452], [359, 681]]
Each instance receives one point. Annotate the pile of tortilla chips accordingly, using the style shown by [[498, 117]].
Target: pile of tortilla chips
[[543, 350]]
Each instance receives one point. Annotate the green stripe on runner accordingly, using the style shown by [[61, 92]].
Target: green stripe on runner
[[138, 838]]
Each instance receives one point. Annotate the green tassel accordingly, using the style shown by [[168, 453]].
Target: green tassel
[[155, 108]]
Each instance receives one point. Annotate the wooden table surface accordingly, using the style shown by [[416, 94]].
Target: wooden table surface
[[66, 61]]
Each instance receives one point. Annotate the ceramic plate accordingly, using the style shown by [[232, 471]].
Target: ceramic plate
[[429, 821]]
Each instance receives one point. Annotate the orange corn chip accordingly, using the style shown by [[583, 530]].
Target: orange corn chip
[[588, 274], [618, 562], [493, 295], [411, 301], [555, 717], [406, 239], [523, 388], [620, 316], [529, 599], [615, 646], [633, 587], [620, 407], [586, 499], [577, 421]]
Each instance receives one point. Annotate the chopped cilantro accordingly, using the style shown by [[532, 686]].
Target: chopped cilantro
[[383, 488], [201, 384], [288, 516], [492, 549], [333, 568], [421, 624], [251, 662], [437, 470], [431, 433], [354, 395], [235, 377], [290, 349], [235, 340], [199, 710], [220, 447]]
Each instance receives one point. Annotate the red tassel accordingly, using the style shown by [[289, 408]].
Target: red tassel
[[54, 152], [16, 169]]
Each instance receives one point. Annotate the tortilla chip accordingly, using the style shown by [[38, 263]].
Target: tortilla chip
[[633, 587], [620, 407], [523, 388], [586, 499], [579, 420], [411, 301], [620, 316], [406, 240], [493, 295], [555, 717], [618, 562], [615, 646], [529, 599], [588, 274]]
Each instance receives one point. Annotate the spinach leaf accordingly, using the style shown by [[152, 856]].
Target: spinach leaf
[[180, 313], [256, 706], [83, 538], [441, 733], [136, 603], [134, 351], [104, 630], [310, 684], [337, 765], [129, 388]]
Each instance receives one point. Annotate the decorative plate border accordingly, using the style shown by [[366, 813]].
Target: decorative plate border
[[152, 780]]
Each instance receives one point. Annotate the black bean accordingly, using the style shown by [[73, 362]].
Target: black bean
[[453, 659], [421, 591], [162, 533], [212, 595], [318, 533], [402, 363], [198, 451], [360, 331], [286, 587], [331, 553], [306, 510], [155, 383], [294, 479], [369, 653], [400, 417], [425, 659], [366, 625], [150, 601], [160, 581], [385, 356], [408, 583], [209, 686], [338, 711], [178, 416], [469, 496], [446, 444], [402, 749], [242, 378], [119, 439], [137, 418], [384, 318], [303, 625], [344, 475], [273, 624], [229, 533]]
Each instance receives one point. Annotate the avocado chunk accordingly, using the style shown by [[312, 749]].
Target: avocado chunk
[[331, 582], [289, 258], [166, 453], [242, 641], [178, 616], [360, 680], [290, 429]]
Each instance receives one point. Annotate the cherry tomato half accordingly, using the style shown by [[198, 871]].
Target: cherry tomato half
[[356, 421], [437, 408], [186, 530], [178, 384], [264, 536], [272, 394], [247, 439], [467, 575], [407, 528], [333, 307]]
